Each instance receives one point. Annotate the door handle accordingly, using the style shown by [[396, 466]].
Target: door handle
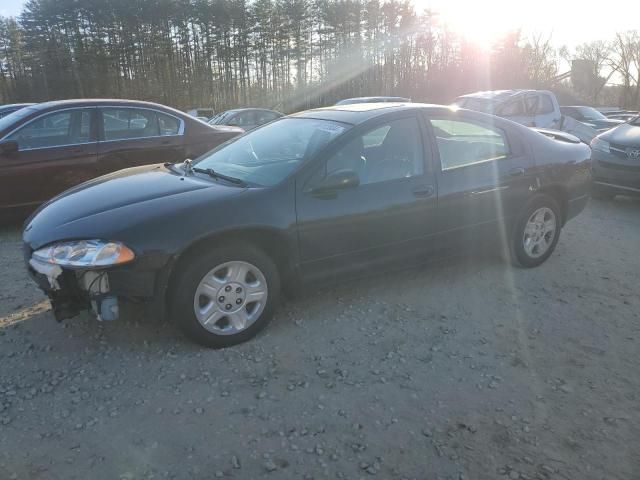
[[423, 190], [516, 172]]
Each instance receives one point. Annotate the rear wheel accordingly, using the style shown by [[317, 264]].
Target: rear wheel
[[536, 232], [226, 296]]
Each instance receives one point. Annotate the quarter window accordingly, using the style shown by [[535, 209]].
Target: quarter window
[[168, 125], [70, 127], [463, 143], [127, 123], [387, 152]]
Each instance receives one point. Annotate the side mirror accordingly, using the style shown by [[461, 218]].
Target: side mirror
[[338, 180], [8, 147]]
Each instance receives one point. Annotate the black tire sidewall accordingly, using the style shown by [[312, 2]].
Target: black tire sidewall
[[188, 277], [520, 257]]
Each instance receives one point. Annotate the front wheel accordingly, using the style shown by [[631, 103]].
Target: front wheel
[[536, 232], [226, 296]]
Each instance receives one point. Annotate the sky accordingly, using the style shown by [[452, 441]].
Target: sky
[[570, 22]]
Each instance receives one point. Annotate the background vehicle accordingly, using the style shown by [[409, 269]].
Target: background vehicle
[[349, 101], [246, 118], [201, 112], [12, 107], [49, 147], [532, 108], [318, 194], [591, 117], [616, 161]]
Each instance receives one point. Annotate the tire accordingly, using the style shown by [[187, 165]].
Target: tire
[[529, 231], [211, 297]]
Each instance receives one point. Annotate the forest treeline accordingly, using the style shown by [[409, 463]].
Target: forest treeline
[[284, 54]]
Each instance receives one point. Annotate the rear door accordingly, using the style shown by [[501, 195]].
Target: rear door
[[131, 136], [483, 178], [57, 150]]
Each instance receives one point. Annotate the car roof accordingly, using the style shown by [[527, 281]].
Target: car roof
[[356, 113], [10, 106], [497, 94], [378, 98], [89, 102], [236, 110]]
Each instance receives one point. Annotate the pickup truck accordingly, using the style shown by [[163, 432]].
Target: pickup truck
[[533, 108]]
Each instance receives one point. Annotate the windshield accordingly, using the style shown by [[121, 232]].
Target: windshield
[[591, 113], [267, 155], [10, 119]]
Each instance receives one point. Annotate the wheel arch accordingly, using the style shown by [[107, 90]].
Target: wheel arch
[[560, 194], [273, 242]]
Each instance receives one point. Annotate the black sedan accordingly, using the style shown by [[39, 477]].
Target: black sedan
[[314, 195], [616, 161]]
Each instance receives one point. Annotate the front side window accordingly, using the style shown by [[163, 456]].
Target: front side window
[[387, 152], [266, 156], [463, 143], [69, 127], [129, 123]]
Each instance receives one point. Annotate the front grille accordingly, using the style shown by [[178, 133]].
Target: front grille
[[619, 150]]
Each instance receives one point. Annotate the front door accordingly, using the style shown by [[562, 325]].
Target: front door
[[55, 152], [391, 213]]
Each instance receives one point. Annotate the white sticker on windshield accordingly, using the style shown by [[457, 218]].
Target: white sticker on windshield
[[330, 128]]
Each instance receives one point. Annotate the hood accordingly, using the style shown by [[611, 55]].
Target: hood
[[626, 135], [112, 202]]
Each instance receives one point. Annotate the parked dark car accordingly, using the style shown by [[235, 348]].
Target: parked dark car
[[351, 101], [49, 147], [319, 194], [246, 118], [616, 161], [12, 107], [591, 117]]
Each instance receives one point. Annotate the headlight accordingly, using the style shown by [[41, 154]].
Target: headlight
[[600, 145], [85, 253]]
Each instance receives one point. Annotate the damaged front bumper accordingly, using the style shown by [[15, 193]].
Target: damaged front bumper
[[72, 291], [103, 290]]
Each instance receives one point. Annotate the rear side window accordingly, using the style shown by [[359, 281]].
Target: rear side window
[[69, 127], [462, 143], [129, 123]]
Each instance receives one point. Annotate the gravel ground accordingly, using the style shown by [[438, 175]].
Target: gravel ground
[[468, 369]]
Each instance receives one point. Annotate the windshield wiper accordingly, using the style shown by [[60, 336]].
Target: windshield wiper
[[213, 174]]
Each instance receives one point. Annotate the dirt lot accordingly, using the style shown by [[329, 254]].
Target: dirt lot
[[468, 369]]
